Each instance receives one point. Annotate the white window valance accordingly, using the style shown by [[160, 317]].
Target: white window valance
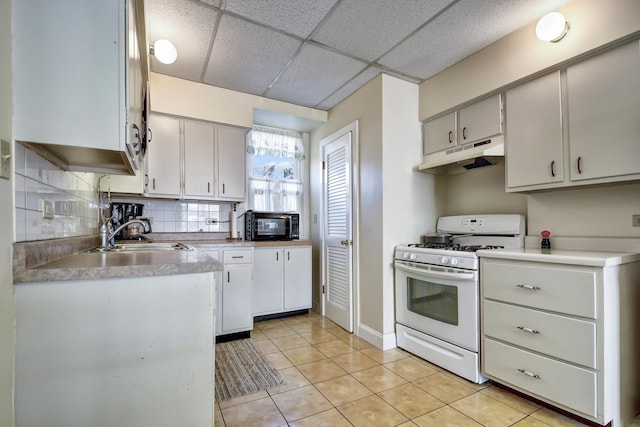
[[275, 143]]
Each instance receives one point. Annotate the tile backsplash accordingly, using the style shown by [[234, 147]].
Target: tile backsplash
[[73, 195], [181, 216]]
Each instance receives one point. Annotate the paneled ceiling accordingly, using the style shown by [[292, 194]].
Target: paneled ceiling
[[315, 53]]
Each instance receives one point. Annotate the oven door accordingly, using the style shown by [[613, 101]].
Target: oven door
[[438, 301]]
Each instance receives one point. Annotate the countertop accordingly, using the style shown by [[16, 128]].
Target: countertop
[[66, 259], [563, 256]]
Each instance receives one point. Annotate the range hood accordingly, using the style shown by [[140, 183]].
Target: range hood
[[468, 156]]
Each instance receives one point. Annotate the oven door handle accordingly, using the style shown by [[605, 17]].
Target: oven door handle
[[440, 274]]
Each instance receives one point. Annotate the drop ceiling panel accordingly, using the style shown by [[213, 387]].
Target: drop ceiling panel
[[313, 75], [463, 29], [349, 88], [298, 17], [368, 28], [215, 3], [189, 26], [247, 57]]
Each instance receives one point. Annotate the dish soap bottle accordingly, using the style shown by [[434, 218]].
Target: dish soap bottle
[[545, 244]]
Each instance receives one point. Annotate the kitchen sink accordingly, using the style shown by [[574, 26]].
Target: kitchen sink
[[141, 247]]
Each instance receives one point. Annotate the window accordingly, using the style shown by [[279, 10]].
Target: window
[[276, 171]]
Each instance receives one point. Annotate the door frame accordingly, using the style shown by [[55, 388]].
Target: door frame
[[355, 215]]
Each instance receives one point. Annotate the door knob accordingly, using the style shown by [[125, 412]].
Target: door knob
[[345, 242]]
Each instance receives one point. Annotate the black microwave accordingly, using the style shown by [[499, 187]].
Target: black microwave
[[271, 225]]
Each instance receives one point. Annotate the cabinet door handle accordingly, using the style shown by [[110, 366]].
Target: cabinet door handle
[[529, 287], [525, 329], [150, 136], [208, 187], [450, 137], [223, 189], [288, 256], [146, 180], [277, 256], [228, 277], [553, 168], [579, 164], [154, 183], [464, 132], [529, 374]]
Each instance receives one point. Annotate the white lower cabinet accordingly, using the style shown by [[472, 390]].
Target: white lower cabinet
[[237, 278], [282, 279], [558, 332], [233, 290]]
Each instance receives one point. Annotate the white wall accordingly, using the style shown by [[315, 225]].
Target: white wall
[[185, 98], [7, 300], [395, 203], [408, 206], [479, 191]]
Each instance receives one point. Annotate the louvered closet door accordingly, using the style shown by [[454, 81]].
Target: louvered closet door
[[337, 231]]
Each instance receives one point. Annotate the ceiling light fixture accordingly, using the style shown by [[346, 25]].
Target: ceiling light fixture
[[552, 27], [164, 51]]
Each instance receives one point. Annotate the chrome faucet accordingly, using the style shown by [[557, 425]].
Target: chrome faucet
[[106, 235]]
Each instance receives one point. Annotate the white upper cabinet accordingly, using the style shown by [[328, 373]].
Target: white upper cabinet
[[480, 120], [194, 160], [198, 159], [163, 160], [231, 163], [604, 114], [579, 126], [70, 81], [439, 134], [534, 132], [475, 122]]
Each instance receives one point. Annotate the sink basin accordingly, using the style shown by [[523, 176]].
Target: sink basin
[[142, 247]]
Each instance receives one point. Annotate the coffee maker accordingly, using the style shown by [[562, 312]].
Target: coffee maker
[[121, 213]]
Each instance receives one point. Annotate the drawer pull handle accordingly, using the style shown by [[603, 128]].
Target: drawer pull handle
[[529, 374], [237, 256], [529, 287], [524, 329]]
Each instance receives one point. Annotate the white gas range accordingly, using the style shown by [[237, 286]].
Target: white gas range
[[437, 290]]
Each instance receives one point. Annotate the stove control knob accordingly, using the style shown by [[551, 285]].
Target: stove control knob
[[444, 260], [405, 255], [413, 256], [454, 261]]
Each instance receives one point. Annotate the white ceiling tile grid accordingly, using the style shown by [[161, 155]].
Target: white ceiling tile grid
[[297, 17], [247, 57], [316, 53], [313, 75]]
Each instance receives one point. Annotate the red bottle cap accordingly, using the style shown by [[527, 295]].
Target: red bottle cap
[[545, 233]]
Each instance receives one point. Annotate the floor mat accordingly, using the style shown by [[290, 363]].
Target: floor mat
[[241, 368]]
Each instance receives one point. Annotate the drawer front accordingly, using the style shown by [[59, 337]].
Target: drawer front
[[573, 340], [238, 256], [554, 288], [558, 382]]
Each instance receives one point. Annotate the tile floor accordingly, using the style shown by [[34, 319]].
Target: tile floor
[[337, 379]]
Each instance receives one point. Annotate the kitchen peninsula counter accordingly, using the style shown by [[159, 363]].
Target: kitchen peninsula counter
[[65, 259]]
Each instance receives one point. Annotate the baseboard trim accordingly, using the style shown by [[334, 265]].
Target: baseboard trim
[[382, 341]]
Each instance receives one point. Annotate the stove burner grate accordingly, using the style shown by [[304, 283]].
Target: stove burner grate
[[454, 247]]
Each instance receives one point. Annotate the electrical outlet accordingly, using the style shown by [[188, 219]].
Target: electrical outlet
[[47, 209], [635, 220], [212, 221]]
